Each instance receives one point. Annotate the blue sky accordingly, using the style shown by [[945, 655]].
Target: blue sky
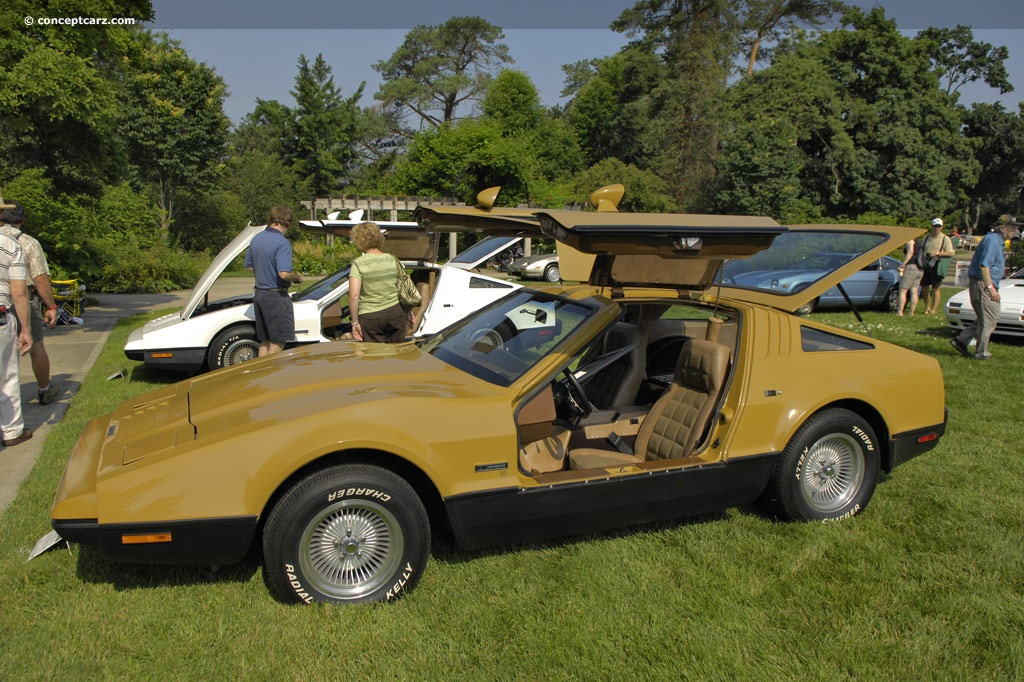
[[255, 44]]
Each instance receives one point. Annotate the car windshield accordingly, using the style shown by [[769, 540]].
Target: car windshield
[[796, 260], [320, 289], [501, 342]]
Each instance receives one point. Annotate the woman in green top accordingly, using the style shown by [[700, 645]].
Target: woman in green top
[[373, 290]]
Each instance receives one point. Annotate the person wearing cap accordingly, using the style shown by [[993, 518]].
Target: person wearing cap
[[986, 271], [13, 300], [936, 247], [40, 296]]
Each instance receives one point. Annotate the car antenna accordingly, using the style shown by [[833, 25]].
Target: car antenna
[[856, 312]]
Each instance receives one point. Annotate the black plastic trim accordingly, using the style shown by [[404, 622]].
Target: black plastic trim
[[905, 447], [200, 542], [515, 515]]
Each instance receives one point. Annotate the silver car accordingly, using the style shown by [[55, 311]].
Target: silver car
[[539, 266]]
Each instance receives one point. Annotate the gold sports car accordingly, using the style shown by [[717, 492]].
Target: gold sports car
[[648, 391]]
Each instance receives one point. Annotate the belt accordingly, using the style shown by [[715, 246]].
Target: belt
[[271, 288]]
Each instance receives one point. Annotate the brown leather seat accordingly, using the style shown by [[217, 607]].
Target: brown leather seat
[[679, 418]]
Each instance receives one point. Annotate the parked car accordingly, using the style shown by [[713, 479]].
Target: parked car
[[213, 334], [960, 312], [646, 393], [877, 284], [538, 266]]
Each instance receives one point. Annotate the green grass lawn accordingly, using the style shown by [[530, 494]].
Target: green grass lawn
[[926, 584]]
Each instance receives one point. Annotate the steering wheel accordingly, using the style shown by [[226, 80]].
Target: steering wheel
[[576, 397]]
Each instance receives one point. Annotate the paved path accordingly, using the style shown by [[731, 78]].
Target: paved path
[[72, 351]]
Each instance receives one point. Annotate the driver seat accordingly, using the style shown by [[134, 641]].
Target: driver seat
[[619, 384], [679, 418]]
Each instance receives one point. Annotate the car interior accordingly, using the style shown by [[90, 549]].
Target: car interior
[[645, 395]]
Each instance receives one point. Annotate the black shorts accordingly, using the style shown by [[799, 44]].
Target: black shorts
[[275, 318], [931, 278]]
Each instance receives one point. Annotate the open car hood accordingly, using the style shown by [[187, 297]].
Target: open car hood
[[217, 267]]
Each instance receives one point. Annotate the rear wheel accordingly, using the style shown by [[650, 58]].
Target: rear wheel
[[233, 346], [828, 471], [349, 534], [551, 273]]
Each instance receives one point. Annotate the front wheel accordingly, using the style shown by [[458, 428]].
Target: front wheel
[[551, 273], [807, 308], [828, 471], [892, 299], [349, 534], [233, 346]]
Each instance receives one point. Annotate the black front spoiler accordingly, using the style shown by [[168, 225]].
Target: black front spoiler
[[198, 542]]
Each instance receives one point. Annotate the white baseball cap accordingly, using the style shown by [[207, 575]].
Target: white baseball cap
[[937, 221]]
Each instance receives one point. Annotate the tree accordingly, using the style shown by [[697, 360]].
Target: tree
[[857, 118], [59, 93], [173, 121], [697, 41], [769, 19], [439, 68], [614, 103], [960, 59], [325, 125], [999, 135], [513, 102]]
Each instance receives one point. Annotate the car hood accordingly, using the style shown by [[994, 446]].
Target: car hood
[[290, 385], [217, 267]]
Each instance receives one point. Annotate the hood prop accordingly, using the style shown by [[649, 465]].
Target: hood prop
[[846, 297]]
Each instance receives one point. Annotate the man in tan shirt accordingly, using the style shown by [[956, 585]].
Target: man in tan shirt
[[40, 297]]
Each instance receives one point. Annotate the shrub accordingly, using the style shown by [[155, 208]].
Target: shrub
[[314, 258], [156, 270]]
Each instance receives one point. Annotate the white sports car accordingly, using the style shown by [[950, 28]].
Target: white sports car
[[212, 334], [959, 311]]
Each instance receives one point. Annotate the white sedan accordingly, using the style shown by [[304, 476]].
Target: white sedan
[[212, 334], [1011, 313]]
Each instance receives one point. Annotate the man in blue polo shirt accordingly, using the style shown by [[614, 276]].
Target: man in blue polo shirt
[[986, 271], [269, 258]]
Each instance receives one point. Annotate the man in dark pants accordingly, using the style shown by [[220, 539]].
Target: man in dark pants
[[269, 258], [986, 271]]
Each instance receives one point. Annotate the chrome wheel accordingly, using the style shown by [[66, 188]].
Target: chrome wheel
[[831, 473], [240, 351], [351, 549]]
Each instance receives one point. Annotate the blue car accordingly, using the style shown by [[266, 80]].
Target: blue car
[[876, 285]]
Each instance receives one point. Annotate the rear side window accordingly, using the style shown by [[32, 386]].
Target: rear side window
[[816, 340]]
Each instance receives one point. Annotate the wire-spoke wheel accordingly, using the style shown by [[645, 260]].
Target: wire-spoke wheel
[[828, 471], [350, 548], [832, 473], [351, 533]]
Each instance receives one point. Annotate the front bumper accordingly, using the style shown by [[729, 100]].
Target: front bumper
[[199, 542]]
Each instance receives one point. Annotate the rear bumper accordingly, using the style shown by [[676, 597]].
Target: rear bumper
[[197, 542], [907, 446]]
